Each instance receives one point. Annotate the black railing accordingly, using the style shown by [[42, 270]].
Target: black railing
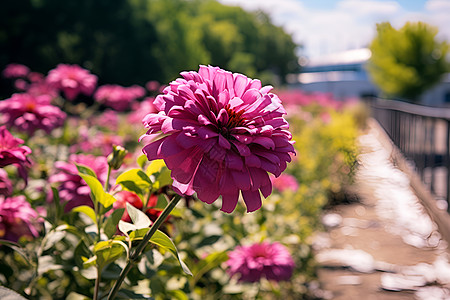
[[422, 133]]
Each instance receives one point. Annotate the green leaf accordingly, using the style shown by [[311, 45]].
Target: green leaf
[[138, 234], [81, 250], [87, 263], [141, 160], [155, 166], [210, 262], [97, 192], [16, 247], [178, 294], [164, 178], [86, 170], [209, 240], [125, 227], [87, 210], [110, 226], [134, 180], [130, 295], [139, 218], [108, 251], [163, 241], [162, 201]]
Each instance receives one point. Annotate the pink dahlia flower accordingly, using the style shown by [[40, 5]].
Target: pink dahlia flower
[[73, 189], [118, 97], [15, 71], [10, 150], [17, 219], [221, 135], [72, 80], [284, 182], [28, 113], [251, 263]]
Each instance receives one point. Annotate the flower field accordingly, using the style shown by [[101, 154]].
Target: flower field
[[211, 187]]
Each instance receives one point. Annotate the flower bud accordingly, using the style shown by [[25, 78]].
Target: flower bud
[[115, 159]]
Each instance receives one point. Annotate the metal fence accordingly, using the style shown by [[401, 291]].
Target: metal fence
[[422, 133]]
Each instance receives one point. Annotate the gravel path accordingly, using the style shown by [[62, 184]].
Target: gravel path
[[386, 246]]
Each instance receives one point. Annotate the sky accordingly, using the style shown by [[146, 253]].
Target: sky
[[329, 26]]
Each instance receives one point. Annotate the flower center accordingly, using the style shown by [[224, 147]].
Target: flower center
[[234, 118], [30, 106]]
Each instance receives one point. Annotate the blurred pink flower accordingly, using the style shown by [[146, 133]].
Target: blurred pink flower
[[153, 86], [140, 109], [5, 184], [302, 98], [118, 97], [284, 182], [109, 119], [73, 189], [21, 85], [15, 71], [17, 219], [28, 113], [251, 263], [101, 144], [10, 150], [42, 87], [36, 77], [221, 134], [72, 80]]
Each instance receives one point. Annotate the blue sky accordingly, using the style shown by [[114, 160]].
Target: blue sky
[[413, 5], [329, 26]]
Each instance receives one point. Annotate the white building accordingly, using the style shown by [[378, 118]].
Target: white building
[[344, 75]]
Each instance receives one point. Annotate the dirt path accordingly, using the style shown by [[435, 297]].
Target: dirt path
[[386, 246]]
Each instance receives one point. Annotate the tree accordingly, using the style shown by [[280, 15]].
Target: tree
[[133, 41], [407, 62]]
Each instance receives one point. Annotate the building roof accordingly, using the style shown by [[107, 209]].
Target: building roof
[[356, 56]]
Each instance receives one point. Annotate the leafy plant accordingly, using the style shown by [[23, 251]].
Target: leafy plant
[[408, 61]]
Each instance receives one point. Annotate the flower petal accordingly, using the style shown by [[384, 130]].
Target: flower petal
[[229, 201], [252, 200]]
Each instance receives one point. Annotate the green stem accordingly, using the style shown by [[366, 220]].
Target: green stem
[[107, 178], [134, 258], [98, 207], [97, 284], [148, 199]]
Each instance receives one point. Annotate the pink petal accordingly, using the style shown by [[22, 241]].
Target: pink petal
[[182, 189], [241, 179], [152, 150], [252, 200], [229, 202], [265, 142], [223, 142]]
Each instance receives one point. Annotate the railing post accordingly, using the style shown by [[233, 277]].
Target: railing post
[[447, 164], [415, 129]]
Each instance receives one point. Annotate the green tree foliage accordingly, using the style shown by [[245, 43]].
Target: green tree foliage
[[133, 41], [408, 61]]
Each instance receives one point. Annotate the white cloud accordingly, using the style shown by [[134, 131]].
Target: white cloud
[[350, 25], [438, 6], [369, 8]]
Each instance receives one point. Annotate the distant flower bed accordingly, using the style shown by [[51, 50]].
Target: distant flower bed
[[88, 172]]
